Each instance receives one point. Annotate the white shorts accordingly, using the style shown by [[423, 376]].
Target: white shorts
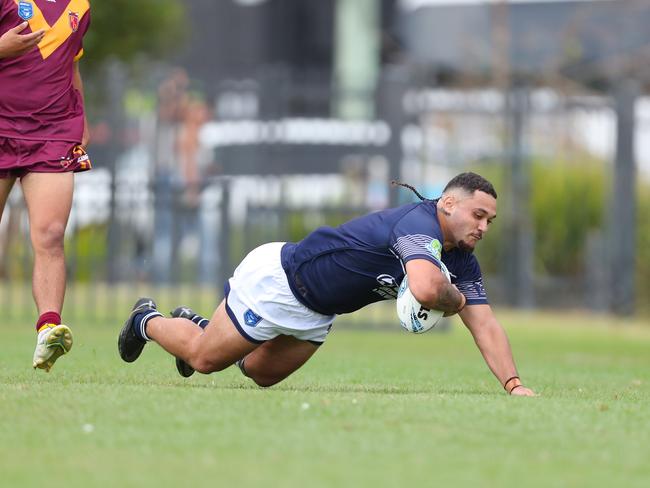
[[262, 306]]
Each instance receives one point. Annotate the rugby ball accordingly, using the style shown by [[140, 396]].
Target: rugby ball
[[413, 316]]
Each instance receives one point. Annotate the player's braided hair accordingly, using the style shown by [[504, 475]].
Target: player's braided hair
[[469, 181], [406, 185]]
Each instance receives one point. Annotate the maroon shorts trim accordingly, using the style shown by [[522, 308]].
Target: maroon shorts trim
[[21, 156]]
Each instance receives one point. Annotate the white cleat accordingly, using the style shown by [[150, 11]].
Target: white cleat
[[53, 342]]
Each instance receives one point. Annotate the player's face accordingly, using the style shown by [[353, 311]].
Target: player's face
[[470, 218]]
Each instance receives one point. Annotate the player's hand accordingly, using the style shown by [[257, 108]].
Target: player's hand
[[521, 390], [13, 44]]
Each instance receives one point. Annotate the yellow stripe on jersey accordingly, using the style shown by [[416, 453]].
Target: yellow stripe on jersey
[[56, 34]]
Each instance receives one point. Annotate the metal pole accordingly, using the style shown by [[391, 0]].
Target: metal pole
[[622, 242], [393, 84], [520, 257]]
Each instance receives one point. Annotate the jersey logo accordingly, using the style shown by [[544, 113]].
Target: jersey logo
[[387, 288], [74, 21], [386, 280], [60, 31], [435, 248], [25, 10], [251, 318]]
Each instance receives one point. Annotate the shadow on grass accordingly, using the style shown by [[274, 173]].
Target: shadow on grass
[[306, 388]]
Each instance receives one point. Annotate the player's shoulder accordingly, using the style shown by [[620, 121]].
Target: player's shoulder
[[425, 210], [418, 215], [426, 206]]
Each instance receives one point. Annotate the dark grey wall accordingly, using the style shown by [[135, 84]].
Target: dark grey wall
[[230, 41], [589, 41]]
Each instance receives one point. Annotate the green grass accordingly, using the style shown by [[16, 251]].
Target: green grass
[[370, 409]]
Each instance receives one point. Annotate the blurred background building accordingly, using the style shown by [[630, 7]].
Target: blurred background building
[[217, 126]]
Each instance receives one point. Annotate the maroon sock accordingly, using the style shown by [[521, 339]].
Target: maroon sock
[[48, 318]]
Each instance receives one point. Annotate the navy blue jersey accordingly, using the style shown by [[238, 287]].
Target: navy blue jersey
[[342, 269]]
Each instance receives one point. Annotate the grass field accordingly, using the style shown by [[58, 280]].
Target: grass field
[[370, 409]]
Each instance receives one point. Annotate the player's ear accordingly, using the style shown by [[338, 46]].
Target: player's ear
[[448, 201]]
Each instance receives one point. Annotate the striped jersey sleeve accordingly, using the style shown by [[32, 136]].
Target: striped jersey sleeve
[[469, 281], [417, 235], [415, 245]]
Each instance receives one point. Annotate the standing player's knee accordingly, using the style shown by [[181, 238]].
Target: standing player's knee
[[49, 237]]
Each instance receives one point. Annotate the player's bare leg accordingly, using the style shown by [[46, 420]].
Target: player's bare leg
[[269, 364], [207, 350], [213, 347], [276, 359], [49, 199]]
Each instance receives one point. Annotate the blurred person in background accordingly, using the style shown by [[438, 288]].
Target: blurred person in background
[[197, 218], [177, 169], [280, 303], [193, 157], [43, 135], [172, 99]]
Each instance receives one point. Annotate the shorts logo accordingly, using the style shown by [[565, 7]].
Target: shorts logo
[[251, 318], [25, 10], [74, 20]]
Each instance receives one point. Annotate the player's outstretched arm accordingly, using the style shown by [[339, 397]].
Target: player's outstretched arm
[[13, 43], [493, 343]]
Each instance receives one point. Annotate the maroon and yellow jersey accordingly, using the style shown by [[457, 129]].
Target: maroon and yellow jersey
[[37, 98]]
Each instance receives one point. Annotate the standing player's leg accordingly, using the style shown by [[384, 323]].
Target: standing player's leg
[[49, 199], [276, 359], [206, 350]]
